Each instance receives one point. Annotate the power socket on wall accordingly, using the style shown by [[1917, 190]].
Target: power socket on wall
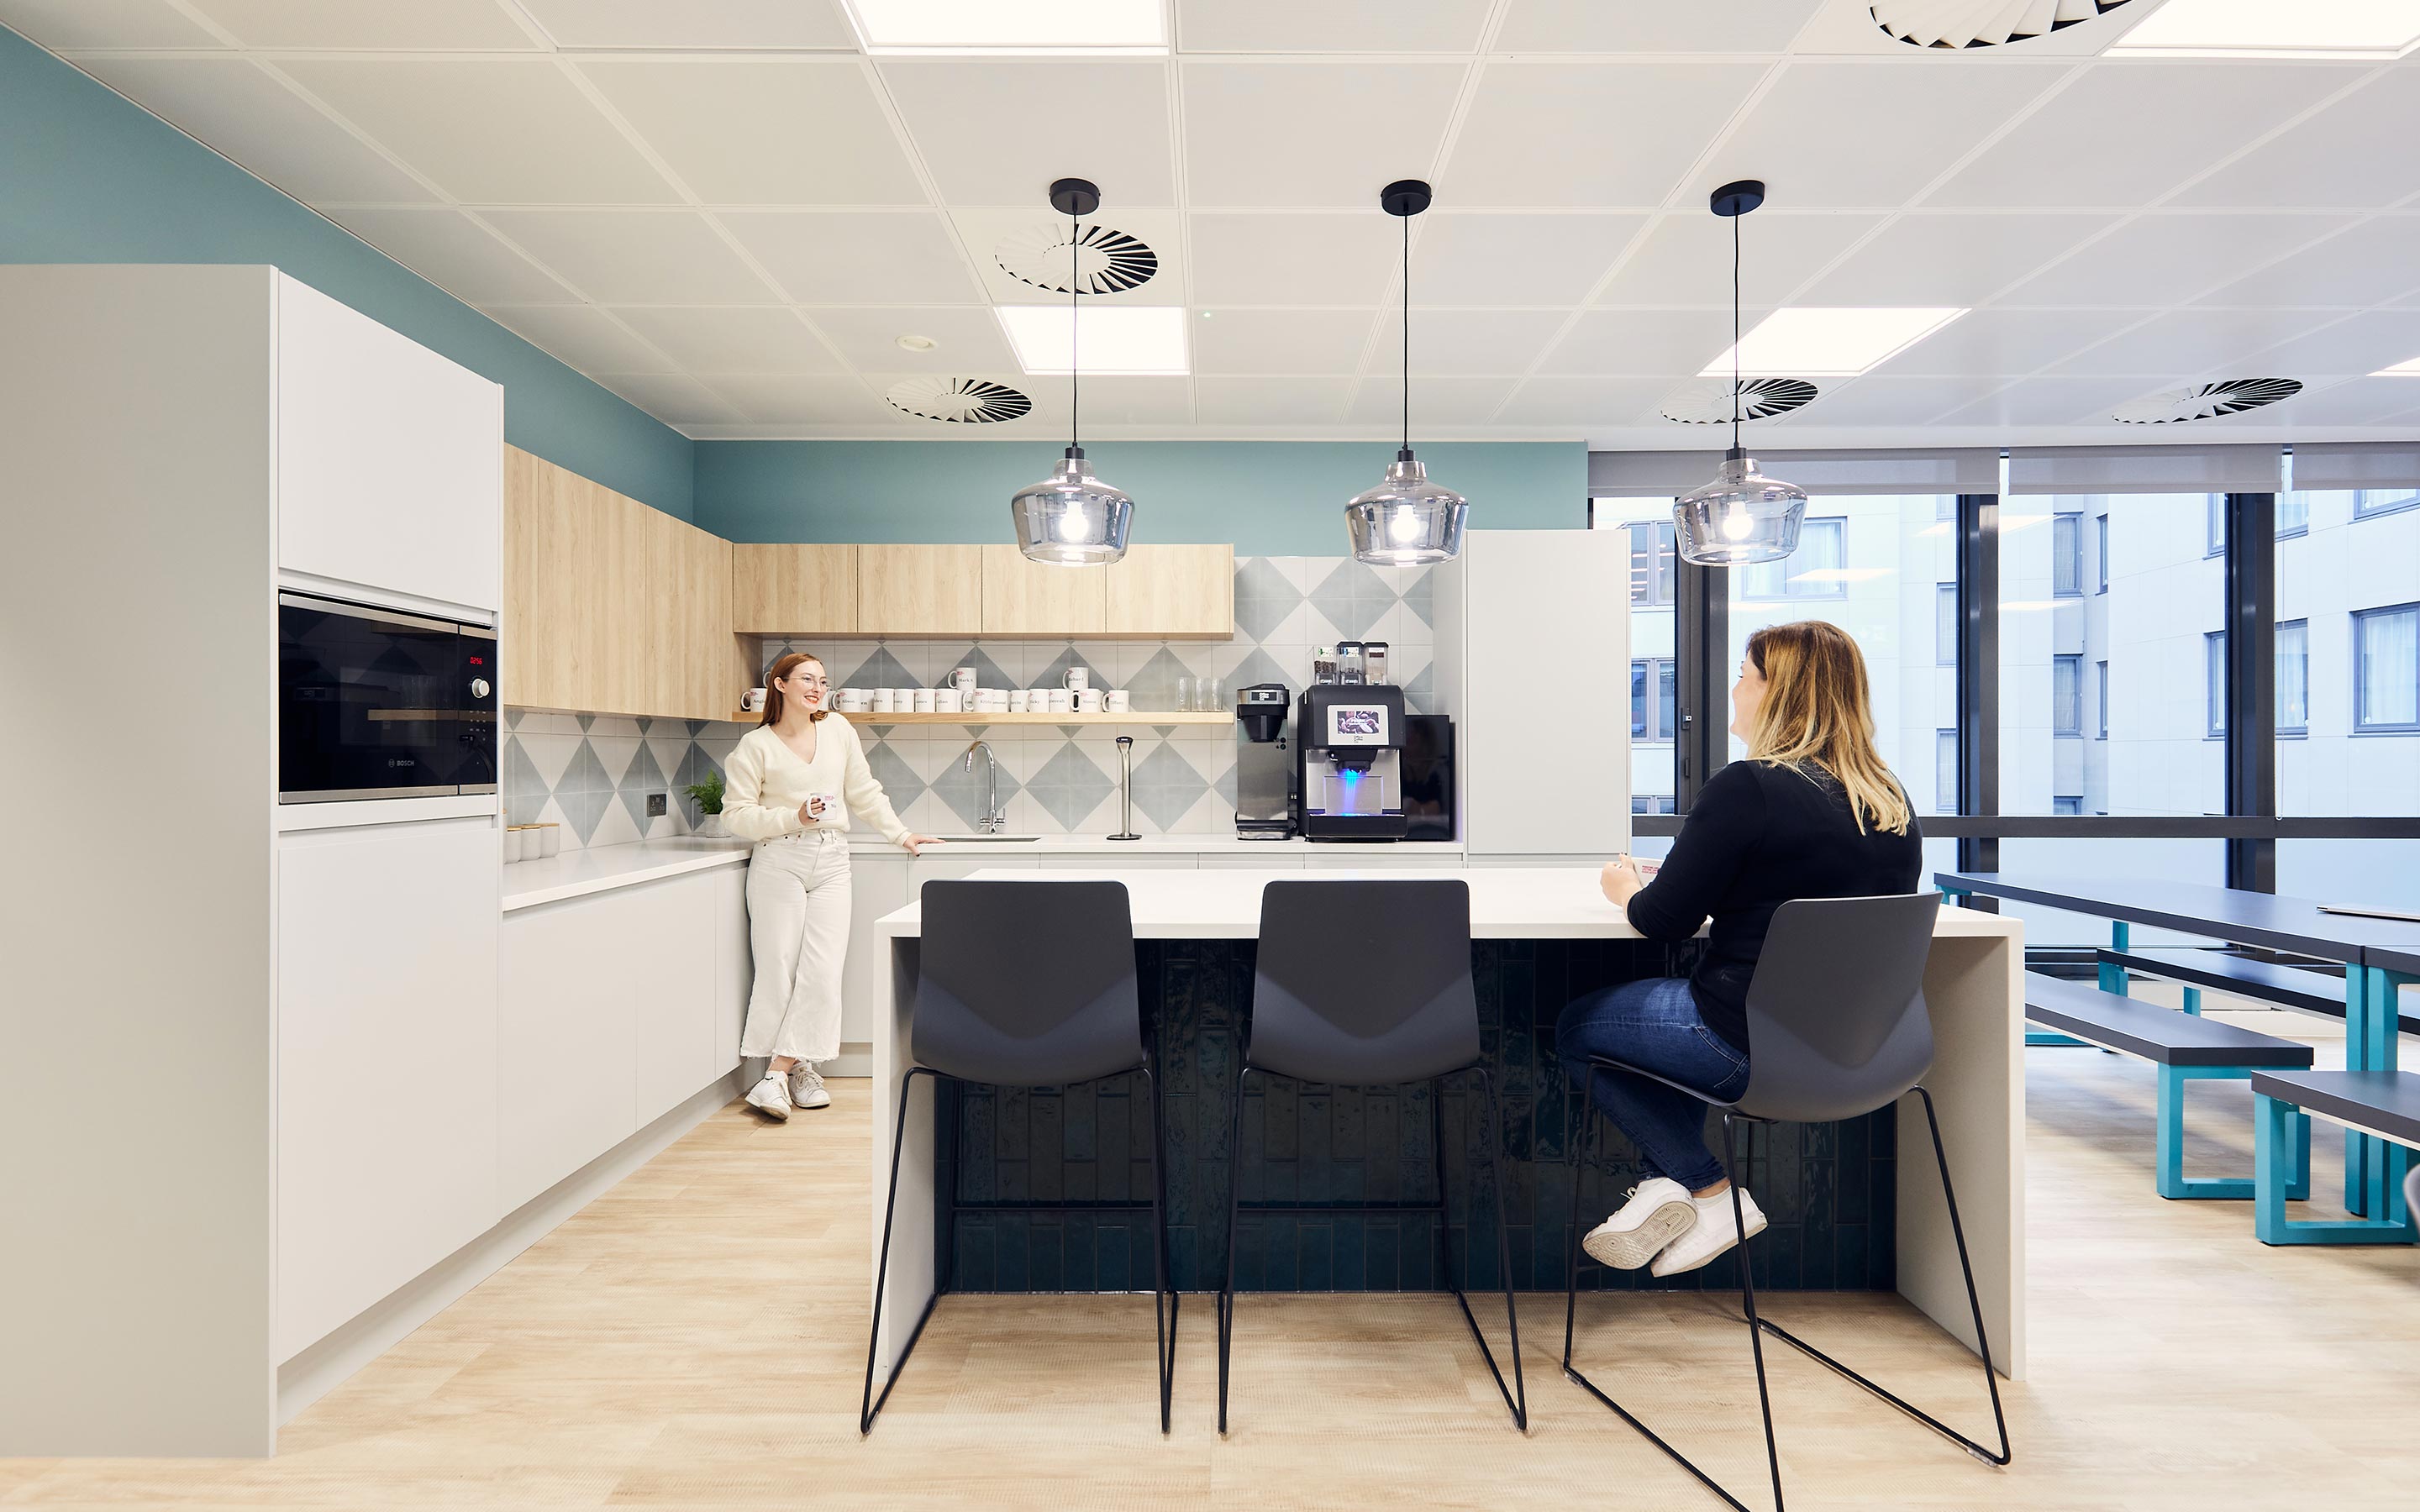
[[656, 804]]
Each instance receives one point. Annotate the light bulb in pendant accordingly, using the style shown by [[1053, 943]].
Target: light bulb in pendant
[[1403, 527], [1074, 525], [1737, 526]]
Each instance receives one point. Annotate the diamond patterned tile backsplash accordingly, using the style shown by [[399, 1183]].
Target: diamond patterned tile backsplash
[[591, 773]]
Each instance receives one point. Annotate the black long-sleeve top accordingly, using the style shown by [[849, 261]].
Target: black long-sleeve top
[[1758, 835]]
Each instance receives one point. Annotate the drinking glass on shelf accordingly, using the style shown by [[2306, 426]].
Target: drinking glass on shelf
[[1185, 695], [1211, 695]]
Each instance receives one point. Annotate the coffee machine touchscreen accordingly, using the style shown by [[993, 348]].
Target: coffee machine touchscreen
[[1356, 725]]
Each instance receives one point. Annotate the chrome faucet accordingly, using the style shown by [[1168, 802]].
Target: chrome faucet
[[993, 821]]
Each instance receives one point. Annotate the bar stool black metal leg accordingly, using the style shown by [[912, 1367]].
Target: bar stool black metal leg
[[1227, 1286], [1163, 1297], [868, 1408], [1519, 1399], [1738, 1174], [1581, 1141]]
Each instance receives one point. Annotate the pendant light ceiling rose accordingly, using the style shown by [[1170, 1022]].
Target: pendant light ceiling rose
[[1742, 517], [1407, 521], [1405, 197], [1074, 196], [1072, 518], [1737, 198]]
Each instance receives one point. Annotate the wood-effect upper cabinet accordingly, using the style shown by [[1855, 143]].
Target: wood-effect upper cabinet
[[1172, 591], [920, 589], [790, 589], [1032, 598]]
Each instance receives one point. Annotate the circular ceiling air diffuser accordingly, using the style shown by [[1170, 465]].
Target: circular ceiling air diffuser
[[1710, 403], [2206, 401], [1981, 22], [1108, 260], [959, 401]]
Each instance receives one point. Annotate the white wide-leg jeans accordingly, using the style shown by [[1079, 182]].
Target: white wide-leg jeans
[[797, 928]]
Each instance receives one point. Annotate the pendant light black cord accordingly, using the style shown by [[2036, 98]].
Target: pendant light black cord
[[1075, 402], [1735, 331], [1407, 333]]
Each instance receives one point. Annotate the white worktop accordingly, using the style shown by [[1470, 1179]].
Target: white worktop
[[572, 874], [1506, 902], [1213, 843]]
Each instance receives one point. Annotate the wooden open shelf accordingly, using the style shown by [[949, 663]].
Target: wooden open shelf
[[1130, 718]]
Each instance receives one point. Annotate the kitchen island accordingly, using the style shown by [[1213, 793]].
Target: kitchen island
[[1016, 1190]]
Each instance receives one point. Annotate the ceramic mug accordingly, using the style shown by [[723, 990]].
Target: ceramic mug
[[1078, 678], [1059, 699], [923, 700], [1116, 700], [753, 701], [963, 679], [1088, 701], [883, 700], [949, 701], [1020, 700]]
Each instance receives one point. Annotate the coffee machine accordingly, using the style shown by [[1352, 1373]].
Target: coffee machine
[[1349, 767], [1265, 763]]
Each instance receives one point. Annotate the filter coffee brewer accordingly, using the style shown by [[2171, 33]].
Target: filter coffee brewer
[[1349, 768], [1265, 763]]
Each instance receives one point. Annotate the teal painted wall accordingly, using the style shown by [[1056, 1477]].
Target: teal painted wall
[[1269, 497], [87, 178]]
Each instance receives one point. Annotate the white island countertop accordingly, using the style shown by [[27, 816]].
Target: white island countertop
[[1215, 843], [573, 873]]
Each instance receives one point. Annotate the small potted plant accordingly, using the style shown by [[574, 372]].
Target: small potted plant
[[707, 795]]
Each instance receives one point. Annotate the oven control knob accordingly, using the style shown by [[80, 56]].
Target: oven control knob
[[479, 687]]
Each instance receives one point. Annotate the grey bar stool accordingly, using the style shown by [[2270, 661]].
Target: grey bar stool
[[1366, 984], [1837, 1028], [1079, 1021]]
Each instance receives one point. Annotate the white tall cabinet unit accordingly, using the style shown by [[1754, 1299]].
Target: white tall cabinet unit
[[250, 1079], [1533, 663]]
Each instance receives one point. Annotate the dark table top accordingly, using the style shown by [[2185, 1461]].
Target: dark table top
[[2265, 919]]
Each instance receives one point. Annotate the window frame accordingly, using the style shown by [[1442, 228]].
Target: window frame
[[2067, 715], [2100, 567], [2216, 546], [1945, 616], [2102, 677], [2363, 509], [1834, 589], [1663, 562], [2213, 680], [2361, 619], [2071, 556], [2300, 526], [2301, 731], [1646, 692]]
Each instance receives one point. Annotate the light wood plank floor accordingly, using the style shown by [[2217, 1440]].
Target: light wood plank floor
[[694, 1339]]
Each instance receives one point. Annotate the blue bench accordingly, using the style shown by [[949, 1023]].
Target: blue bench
[[2317, 991], [2381, 1103], [2186, 1048]]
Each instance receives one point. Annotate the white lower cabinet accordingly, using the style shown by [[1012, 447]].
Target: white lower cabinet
[[1140, 861], [386, 1061], [877, 885]]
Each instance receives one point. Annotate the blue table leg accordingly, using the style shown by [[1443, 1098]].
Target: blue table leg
[[2274, 1144], [2374, 1167], [2173, 1182], [2193, 1001], [2113, 979]]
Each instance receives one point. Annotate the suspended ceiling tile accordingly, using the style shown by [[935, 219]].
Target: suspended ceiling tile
[[1346, 259], [1647, 122], [1270, 401], [237, 108], [1676, 26], [1833, 133], [1515, 259], [2352, 153], [2099, 141], [1686, 259], [635, 257], [2370, 263], [581, 336], [693, 24], [2159, 261], [2362, 401], [2354, 347], [1112, 401], [1296, 133], [2192, 344], [455, 252], [487, 130], [857, 257], [2005, 343], [1281, 341], [1554, 399], [1879, 400], [1331, 26], [674, 398], [1670, 344], [1923, 259], [1468, 341], [1439, 401], [802, 401], [997, 130], [782, 130], [63, 25], [727, 338], [428, 25], [2055, 401], [966, 338]]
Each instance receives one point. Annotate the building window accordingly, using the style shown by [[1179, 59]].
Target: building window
[[2101, 556], [1944, 624], [1815, 570], [2100, 678], [1652, 563], [1651, 803], [2217, 525], [1651, 699], [1944, 506], [2213, 658], [2067, 695], [2067, 556], [2294, 514], [2369, 503], [1945, 772], [2066, 804], [2294, 677], [2386, 668]]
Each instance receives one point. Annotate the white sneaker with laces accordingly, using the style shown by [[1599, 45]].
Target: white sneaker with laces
[[770, 1097], [1659, 1212], [807, 1086], [1713, 1233]]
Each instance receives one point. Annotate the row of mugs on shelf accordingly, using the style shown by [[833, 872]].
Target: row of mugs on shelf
[[982, 700]]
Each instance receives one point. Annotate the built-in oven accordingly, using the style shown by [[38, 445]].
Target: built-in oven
[[375, 704]]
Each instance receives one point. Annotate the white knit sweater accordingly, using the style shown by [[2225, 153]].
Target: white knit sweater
[[764, 782]]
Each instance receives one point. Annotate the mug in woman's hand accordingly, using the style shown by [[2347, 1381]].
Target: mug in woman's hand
[[822, 805]]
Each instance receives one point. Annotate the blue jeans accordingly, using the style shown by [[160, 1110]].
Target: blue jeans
[[1653, 1025]]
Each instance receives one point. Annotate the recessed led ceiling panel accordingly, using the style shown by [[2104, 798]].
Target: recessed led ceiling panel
[[2206, 401], [1041, 26], [1981, 22], [1106, 340], [2276, 28], [1813, 342]]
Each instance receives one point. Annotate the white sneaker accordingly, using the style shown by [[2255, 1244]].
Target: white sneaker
[[1710, 1235], [1659, 1212], [807, 1087], [770, 1097]]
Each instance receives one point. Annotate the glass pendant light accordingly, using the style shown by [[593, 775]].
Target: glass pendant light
[[1743, 515], [1407, 521], [1072, 518]]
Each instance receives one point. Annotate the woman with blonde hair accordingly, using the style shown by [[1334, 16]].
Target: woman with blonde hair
[[790, 787], [1812, 813]]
